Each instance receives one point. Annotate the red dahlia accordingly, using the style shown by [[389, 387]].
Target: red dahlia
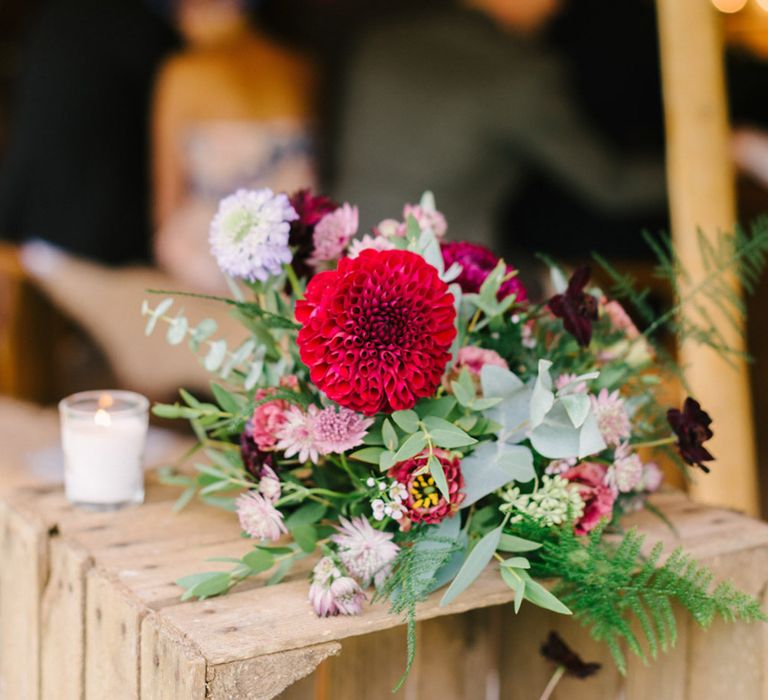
[[425, 503], [377, 330]]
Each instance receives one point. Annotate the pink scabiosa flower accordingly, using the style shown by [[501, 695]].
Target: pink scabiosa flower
[[473, 359], [477, 262], [626, 472], [426, 218], [338, 429], [368, 242], [249, 234], [652, 477], [367, 553], [589, 480], [332, 235], [258, 517], [611, 415], [425, 503], [620, 319], [376, 332], [297, 434]]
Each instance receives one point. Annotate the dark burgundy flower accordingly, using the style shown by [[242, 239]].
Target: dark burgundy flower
[[254, 459], [477, 262], [557, 651], [310, 208], [577, 308], [425, 503], [376, 331], [691, 426]]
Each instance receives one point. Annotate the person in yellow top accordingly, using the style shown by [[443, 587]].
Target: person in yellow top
[[233, 109]]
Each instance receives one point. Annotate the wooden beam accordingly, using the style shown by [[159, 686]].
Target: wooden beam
[[702, 196]]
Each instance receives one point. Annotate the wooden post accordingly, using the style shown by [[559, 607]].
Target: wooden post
[[701, 194]]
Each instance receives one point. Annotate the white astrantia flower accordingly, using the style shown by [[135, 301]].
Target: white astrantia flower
[[366, 553], [249, 234]]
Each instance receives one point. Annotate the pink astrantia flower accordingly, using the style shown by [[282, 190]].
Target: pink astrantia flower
[[258, 517], [589, 479], [338, 429], [368, 242], [426, 218], [626, 472], [377, 330], [298, 435], [269, 485], [333, 593], [611, 415], [366, 552], [569, 380], [332, 235]]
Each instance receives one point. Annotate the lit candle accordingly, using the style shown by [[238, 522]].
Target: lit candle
[[103, 435]]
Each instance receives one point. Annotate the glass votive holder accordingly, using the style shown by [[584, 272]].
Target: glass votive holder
[[103, 434]]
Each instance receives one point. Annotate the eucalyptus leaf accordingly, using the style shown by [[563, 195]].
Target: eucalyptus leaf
[[369, 455], [512, 543], [216, 355], [408, 421], [259, 560], [389, 435], [473, 565], [177, 330], [411, 447], [305, 536], [213, 585], [493, 465], [386, 460], [516, 583], [309, 513], [446, 434], [538, 595], [438, 474]]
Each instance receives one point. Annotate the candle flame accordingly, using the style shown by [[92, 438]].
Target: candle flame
[[102, 418], [106, 401]]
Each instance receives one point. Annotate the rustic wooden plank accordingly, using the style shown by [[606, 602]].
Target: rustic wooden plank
[[265, 677], [62, 633], [171, 666], [23, 553], [112, 623]]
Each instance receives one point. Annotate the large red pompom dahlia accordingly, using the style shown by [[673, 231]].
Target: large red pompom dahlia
[[425, 503], [377, 330]]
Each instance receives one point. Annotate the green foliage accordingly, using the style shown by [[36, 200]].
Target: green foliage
[[609, 584], [413, 578]]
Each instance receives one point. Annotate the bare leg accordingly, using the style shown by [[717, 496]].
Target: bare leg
[[107, 302]]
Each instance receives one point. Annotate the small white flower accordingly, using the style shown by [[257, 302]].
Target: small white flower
[[371, 482], [398, 492], [382, 486], [378, 509]]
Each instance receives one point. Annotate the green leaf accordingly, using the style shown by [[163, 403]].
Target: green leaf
[[516, 583], [216, 355], [512, 543], [211, 584], [165, 410], [277, 551], [305, 536], [473, 565], [259, 560], [436, 407], [538, 595], [389, 435], [516, 563], [369, 455], [464, 397], [408, 421], [411, 447], [447, 435], [204, 330], [309, 513], [386, 460], [177, 330], [438, 474], [231, 403], [467, 422]]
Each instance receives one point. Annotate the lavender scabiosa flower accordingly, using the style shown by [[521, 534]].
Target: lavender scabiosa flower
[[365, 552], [249, 234], [611, 415], [338, 429], [258, 516]]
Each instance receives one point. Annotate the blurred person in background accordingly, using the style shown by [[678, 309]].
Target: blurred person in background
[[233, 109], [465, 102]]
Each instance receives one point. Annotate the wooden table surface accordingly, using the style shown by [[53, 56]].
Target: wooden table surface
[[88, 608]]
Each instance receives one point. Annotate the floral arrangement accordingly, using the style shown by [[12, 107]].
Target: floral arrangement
[[402, 410]]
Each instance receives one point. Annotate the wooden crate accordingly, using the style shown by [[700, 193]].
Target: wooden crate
[[88, 608]]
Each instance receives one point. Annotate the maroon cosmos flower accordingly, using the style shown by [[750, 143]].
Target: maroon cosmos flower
[[577, 308], [557, 651], [377, 331], [691, 426], [310, 208], [254, 459], [477, 262], [425, 503]]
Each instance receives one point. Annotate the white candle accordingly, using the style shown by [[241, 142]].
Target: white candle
[[103, 435]]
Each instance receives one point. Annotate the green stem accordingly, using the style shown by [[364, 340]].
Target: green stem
[[294, 280], [556, 676], [655, 443]]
